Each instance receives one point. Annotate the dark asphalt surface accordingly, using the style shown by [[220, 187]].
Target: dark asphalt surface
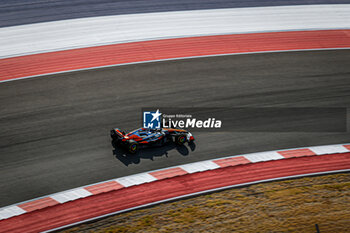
[[55, 130], [17, 12]]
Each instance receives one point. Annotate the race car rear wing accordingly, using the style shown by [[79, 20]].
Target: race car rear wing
[[117, 134]]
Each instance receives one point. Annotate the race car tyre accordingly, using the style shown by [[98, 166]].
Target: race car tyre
[[180, 139], [133, 146]]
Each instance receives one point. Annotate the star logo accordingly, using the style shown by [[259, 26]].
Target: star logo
[[156, 115], [151, 120]]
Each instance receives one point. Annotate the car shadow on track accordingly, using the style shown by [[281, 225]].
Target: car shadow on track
[[149, 153]]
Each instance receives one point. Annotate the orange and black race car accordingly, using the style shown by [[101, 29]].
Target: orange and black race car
[[149, 137]]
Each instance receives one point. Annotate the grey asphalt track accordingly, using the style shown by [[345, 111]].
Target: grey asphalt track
[[55, 129]]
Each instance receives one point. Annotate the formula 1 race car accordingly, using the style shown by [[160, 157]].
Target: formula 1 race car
[[149, 137]]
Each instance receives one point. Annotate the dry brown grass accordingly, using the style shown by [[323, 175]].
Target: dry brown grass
[[283, 206]]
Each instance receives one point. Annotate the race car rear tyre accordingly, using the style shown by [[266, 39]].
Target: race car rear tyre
[[180, 139], [133, 147]]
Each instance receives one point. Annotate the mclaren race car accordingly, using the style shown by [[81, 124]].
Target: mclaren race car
[[149, 137]]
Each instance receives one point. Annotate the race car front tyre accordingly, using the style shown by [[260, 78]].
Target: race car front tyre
[[180, 139], [132, 146]]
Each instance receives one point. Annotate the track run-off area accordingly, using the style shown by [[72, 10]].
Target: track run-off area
[[55, 122]]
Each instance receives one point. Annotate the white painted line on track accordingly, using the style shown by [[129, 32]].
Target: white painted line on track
[[199, 166], [321, 150], [263, 156], [135, 179], [71, 195], [11, 211]]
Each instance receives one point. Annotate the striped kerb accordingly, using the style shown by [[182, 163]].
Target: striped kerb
[[168, 173], [104, 187], [296, 153], [38, 204], [231, 161]]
